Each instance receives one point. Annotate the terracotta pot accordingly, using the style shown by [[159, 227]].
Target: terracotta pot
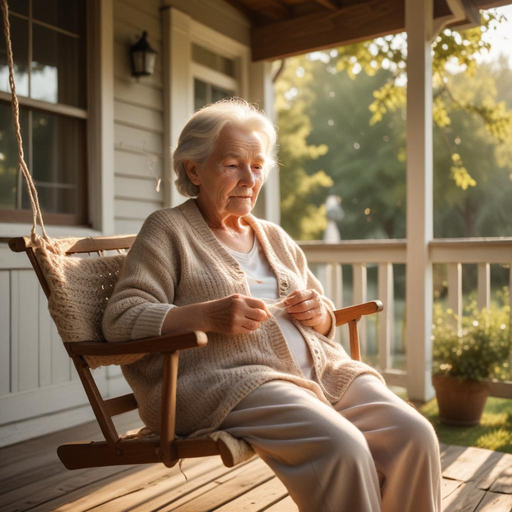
[[460, 403]]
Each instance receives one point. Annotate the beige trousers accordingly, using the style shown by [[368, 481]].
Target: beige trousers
[[369, 451]]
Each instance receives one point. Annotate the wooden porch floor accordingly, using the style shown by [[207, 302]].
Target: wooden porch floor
[[32, 478]]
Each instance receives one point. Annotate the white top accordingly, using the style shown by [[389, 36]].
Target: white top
[[263, 285]]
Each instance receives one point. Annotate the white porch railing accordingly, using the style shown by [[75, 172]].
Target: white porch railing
[[386, 253]]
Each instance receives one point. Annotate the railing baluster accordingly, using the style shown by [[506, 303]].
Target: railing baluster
[[334, 289], [455, 292], [484, 285], [359, 296], [385, 319]]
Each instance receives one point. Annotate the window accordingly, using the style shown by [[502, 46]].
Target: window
[[49, 46], [214, 76]]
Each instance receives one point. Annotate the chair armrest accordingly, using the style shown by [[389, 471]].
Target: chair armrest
[[163, 344], [355, 312]]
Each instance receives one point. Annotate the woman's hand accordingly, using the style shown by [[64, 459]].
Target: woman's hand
[[236, 314], [309, 309]]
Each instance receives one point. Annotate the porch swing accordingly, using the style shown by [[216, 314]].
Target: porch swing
[[78, 289]]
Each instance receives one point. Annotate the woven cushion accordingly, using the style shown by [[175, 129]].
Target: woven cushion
[[79, 290]]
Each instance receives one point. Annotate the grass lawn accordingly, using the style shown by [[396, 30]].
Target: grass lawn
[[493, 433]]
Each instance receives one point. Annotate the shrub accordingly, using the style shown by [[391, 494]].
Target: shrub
[[480, 349]]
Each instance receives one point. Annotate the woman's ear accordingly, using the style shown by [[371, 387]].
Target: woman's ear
[[191, 168]]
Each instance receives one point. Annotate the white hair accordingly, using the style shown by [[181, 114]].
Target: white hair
[[199, 136]]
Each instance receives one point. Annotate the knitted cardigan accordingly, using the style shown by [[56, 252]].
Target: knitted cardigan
[[176, 259]]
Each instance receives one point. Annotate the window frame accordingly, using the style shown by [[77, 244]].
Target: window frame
[[98, 177], [180, 32]]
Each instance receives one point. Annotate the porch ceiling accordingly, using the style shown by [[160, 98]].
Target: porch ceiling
[[281, 28]]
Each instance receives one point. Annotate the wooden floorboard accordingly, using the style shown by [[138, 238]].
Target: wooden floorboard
[[32, 478]]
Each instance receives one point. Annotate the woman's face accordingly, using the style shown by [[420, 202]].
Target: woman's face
[[231, 179]]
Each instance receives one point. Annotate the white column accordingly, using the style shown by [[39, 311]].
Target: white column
[[261, 91], [177, 93], [101, 124], [419, 293]]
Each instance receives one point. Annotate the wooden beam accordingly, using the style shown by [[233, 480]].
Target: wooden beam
[[330, 4], [346, 25], [271, 8], [350, 24]]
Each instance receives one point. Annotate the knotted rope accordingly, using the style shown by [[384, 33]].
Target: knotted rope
[[32, 192]]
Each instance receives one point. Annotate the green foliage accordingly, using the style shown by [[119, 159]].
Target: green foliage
[[366, 158], [449, 47], [362, 160], [302, 193], [480, 349]]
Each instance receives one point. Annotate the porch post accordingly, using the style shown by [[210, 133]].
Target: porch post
[[419, 292], [177, 94], [261, 91]]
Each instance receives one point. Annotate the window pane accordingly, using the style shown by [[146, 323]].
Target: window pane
[[57, 68], [10, 196], [19, 38], [66, 14], [54, 199], [218, 93], [213, 60], [19, 6], [200, 94], [58, 145]]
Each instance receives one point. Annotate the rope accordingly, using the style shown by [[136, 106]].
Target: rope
[[32, 192]]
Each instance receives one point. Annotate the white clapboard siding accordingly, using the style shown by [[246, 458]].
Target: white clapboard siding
[[134, 210], [137, 139], [138, 18], [5, 313], [136, 164], [137, 93], [218, 15], [26, 310], [138, 117], [127, 35], [150, 7], [127, 226], [144, 189], [45, 341]]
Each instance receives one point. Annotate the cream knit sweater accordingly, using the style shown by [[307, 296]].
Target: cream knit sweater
[[176, 259]]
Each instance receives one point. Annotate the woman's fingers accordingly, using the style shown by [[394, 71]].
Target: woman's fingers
[[310, 314], [306, 306], [302, 300], [257, 305]]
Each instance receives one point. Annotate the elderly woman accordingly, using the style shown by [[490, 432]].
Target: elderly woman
[[328, 426]]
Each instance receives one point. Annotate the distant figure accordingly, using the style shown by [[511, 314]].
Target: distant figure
[[334, 215]]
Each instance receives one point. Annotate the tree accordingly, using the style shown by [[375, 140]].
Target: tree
[[462, 48], [301, 215], [360, 116]]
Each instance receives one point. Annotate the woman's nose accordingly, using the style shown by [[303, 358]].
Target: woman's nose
[[247, 176]]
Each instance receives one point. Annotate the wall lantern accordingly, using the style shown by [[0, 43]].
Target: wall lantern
[[142, 57]]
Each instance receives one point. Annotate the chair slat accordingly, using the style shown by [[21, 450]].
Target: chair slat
[[83, 245], [121, 404]]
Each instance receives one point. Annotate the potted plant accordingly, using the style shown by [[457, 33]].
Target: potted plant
[[463, 358]]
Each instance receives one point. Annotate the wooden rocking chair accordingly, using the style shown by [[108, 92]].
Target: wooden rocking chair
[[116, 450]]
